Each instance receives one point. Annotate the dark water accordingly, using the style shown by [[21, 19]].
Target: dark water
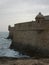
[[4, 47]]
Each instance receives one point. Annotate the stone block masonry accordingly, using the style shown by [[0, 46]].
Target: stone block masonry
[[33, 33]]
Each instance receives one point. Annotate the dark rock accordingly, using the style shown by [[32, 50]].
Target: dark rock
[[32, 51]]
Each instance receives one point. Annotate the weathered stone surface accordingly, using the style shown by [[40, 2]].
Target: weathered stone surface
[[34, 33]]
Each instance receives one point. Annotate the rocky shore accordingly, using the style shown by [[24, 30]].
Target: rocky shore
[[23, 61], [32, 51]]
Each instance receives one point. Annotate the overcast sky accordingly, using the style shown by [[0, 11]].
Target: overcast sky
[[16, 11]]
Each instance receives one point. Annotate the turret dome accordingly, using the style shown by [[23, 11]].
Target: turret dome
[[39, 16]]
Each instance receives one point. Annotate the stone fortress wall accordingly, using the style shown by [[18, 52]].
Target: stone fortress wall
[[11, 31], [34, 32]]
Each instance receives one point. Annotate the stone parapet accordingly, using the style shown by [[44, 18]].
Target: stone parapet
[[35, 33]]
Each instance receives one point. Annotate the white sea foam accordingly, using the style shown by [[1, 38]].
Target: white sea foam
[[4, 47]]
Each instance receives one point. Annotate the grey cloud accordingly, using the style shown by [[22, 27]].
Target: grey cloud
[[13, 11], [39, 2]]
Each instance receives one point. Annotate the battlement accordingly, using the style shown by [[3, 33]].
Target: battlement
[[41, 22], [32, 32]]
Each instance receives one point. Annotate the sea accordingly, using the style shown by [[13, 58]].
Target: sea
[[5, 43]]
